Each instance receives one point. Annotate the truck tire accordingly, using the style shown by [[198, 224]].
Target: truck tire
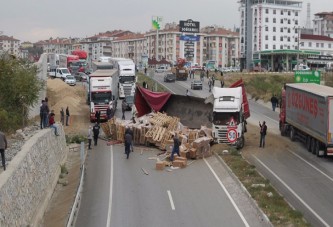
[[308, 143], [316, 149], [292, 133], [241, 142]]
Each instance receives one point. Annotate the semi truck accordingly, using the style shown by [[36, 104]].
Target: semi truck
[[101, 65], [126, 72], [180, 70], [306, 115], [230, 111], [80, 65], [102, 92]]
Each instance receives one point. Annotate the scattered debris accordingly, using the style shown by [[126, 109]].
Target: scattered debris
[[258, 185], [270, 194], [145, 172]]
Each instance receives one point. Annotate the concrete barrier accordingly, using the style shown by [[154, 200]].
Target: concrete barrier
[[29, 181]]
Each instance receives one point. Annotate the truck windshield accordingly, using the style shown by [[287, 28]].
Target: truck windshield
[[101, 97], [225, 118], [128, 79], [65, 71]]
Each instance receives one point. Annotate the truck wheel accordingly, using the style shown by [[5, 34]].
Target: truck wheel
[[292, 133], [308, 143], [316, 150], [241, 142]]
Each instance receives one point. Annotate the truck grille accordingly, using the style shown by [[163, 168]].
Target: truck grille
[[127, 90], [222, 135]]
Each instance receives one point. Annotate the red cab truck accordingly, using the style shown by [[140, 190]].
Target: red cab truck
[[307, 115]]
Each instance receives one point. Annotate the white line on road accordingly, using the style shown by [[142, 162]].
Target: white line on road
[[171, 200], [111, 187], [293, 192], [330, 178], [227, 193], [259, 113]]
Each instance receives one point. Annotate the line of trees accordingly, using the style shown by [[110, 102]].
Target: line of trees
[[19, 90]]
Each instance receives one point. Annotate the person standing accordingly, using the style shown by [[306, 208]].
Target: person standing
[[98, 116], [210, 84], [187, 92], [222, 82], [145, 70], [207, 73], [90, 136], [130, 131], [67, 116], [47, 111], [128, 143], [109, 113], [96, 133], [3, 147], [176, 144], [274, 101], [62, 116], [263, 131], [41, 110], [123, 108], [202, 75], [213, 80]]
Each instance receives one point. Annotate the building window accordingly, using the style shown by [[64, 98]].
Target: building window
[[296, 40], [274, 11], [266, 37], [288, 39], [296, 22], [317, 44], [281, 29], [274, 29], [310, 44], [281, 47], [274, 20], [289, 13], [288, 47], [266, 46], [288, 21], [281, 12], [267, 11], [281, 38], [274, 38], [274, 47], [281, 21], [266, 29], [329, 45], [296, 14], [288, 30], [322, 45], [266, 19]]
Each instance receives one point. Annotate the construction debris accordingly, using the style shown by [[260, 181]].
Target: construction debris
[[156, 129]]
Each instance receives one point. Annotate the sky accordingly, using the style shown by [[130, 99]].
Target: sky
[[34, 20]]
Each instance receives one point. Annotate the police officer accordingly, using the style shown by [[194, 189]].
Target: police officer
[[96, 133]]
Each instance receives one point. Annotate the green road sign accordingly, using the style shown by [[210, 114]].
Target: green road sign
[[307, 76]]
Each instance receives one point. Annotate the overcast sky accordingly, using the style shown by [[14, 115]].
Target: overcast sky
[[33, 20]]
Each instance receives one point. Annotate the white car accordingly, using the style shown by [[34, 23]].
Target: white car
[[161, 69], [70, 80]]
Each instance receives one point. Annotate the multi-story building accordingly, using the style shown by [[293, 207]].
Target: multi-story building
[[269, 25], [58, 46], [323, 24], [10, 45], [131, 46]]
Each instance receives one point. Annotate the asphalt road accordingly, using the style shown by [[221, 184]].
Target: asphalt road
[[117, 192], [305, 180]]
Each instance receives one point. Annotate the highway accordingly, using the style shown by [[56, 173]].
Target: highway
[[305, 180], [118, 192]]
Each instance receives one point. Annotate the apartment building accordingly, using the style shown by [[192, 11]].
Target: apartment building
[[58, 45], [268, 25], [323, 24], [10, 45]]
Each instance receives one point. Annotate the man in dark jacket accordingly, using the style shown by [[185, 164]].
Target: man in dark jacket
[[176, 144], [274, 101], [96, 133], [3, 147], [130, 131], [98, 116], [123, 108], [67, 116], [263, 131], [128, 143]]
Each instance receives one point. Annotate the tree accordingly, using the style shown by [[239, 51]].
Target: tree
[[19, 90]]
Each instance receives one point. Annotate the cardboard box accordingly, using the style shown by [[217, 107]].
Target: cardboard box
[[183, 154], [193, 153], [179, 163], [160, 165], [181, 159]]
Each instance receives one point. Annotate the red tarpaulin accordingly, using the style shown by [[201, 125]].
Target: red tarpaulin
[[246, 106], [146, 100]]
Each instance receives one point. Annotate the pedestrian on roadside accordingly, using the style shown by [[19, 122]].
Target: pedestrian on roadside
[[98, 116], [130, 131], [144, 84], [145, 70], [47, 112], [213, 80], [67, 116], [222, 82], [62, 116], [207, 73], [128, 143], [96, 133], [210, 84], [176, 144], [41, 110], [187, 92], [274, 102], [109, 113], [123, 108], [202, 75], [52, 123], [3, 147], [90, 136], [263, 131]]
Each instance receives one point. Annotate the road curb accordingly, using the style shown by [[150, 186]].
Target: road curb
[[252, 201]]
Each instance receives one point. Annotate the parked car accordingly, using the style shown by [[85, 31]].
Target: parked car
[[129, 101], [196, 84], [161, 69], [70, 80], [81, 77], [170, 77]]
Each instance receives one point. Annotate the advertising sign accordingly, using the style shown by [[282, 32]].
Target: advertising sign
[[156, 22], [189, 44], [189, 26], [190, 38], [189, 55], [307, 76]]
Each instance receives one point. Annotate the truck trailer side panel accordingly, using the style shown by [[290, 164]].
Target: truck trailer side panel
[[307, 109]]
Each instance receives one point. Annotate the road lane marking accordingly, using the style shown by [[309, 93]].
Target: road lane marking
[[259, 113], [293, 192], [227, 193], [330, 178], [171, 200], [111, 187]]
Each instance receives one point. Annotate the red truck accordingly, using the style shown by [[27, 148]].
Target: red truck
[[81, 64], [307, 115]]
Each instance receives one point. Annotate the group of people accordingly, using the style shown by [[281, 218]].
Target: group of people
[[47, 116]]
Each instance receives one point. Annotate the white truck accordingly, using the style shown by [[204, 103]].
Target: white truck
[[230, 111], [126, 73], [102, 92], [61, 73]]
